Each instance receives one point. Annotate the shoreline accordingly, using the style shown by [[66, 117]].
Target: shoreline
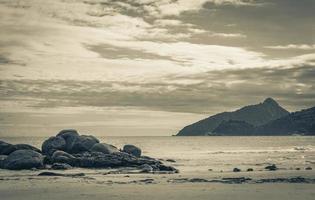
[[25, 184]]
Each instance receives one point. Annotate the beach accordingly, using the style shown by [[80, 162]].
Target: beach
[[205, 171]]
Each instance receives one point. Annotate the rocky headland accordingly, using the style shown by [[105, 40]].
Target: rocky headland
[[69, 149]]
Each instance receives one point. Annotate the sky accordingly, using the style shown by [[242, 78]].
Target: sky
[[174, 59]]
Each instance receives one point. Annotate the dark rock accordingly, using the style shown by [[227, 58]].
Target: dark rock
[[308, 168], [133, 150], [4, 146], [2, 158], [53, 144], [236, 170], [23, 159], [83, 143], [63, 157], [168, 168], [104, 148], [61, 166], [170, 160], [67, 132], [297, 168], [250, 169], [60, 174], [11, 148], [272, 167]]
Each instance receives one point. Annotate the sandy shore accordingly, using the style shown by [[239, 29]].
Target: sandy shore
[[96, 184]]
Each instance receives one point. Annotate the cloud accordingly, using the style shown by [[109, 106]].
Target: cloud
[[293, 47]]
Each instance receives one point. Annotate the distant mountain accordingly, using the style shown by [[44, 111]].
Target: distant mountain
[[255, 115], [302, 123], [234, 127]]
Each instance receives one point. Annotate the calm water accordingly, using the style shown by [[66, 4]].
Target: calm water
[[217, 153]]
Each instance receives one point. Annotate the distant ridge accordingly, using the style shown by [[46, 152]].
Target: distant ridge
[[253, 115]]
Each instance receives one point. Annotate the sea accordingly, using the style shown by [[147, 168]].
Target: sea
[[219, 153]]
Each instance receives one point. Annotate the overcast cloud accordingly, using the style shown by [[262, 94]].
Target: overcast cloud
[[194, 56]]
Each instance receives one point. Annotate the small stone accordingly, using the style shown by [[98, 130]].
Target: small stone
[[171, 160], [236, 170], [297, 168], [308, 168], [272, 167], [250, 169]]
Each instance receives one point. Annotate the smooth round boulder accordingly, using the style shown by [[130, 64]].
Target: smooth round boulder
[[53, 144], [83, 143], [15, 147], [67, 132], [104, 148], [23, 159], [132, 149], [63, 157]]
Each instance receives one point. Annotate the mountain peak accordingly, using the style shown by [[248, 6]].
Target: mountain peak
[[270, 101]]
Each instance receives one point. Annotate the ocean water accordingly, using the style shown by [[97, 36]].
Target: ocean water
[[197, 154]]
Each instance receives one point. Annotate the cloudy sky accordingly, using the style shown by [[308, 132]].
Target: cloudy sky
[[164, 56]]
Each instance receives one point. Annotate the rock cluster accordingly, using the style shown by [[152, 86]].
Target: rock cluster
[[69, 149]]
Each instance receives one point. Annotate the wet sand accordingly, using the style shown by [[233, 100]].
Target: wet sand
[[97, 184]]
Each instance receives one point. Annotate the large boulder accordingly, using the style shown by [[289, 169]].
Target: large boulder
[[132, 149], [83, 143], [63, 157], [23, 159], [104, 148], [53, 144], [71, 136], [67, 132], [11, 148]]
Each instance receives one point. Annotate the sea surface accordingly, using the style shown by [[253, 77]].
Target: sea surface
[[197, 154]]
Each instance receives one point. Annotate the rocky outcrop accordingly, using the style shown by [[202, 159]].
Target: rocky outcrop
[[69, 149], [255, 115], [23, 159]]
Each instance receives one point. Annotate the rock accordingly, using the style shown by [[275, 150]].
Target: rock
[[59, 174], [250, 169], [104, 148], [272, 167], [63, 157], [83, 143], [168, 168], [146, 168], [133, 150], [67, 132], [4, 146], [11, 148], [53, 144], [61, 166], [236, 170], [297, 168], [171, 160], [308, 168], [2, 158], [70, 136], [23, 159]]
